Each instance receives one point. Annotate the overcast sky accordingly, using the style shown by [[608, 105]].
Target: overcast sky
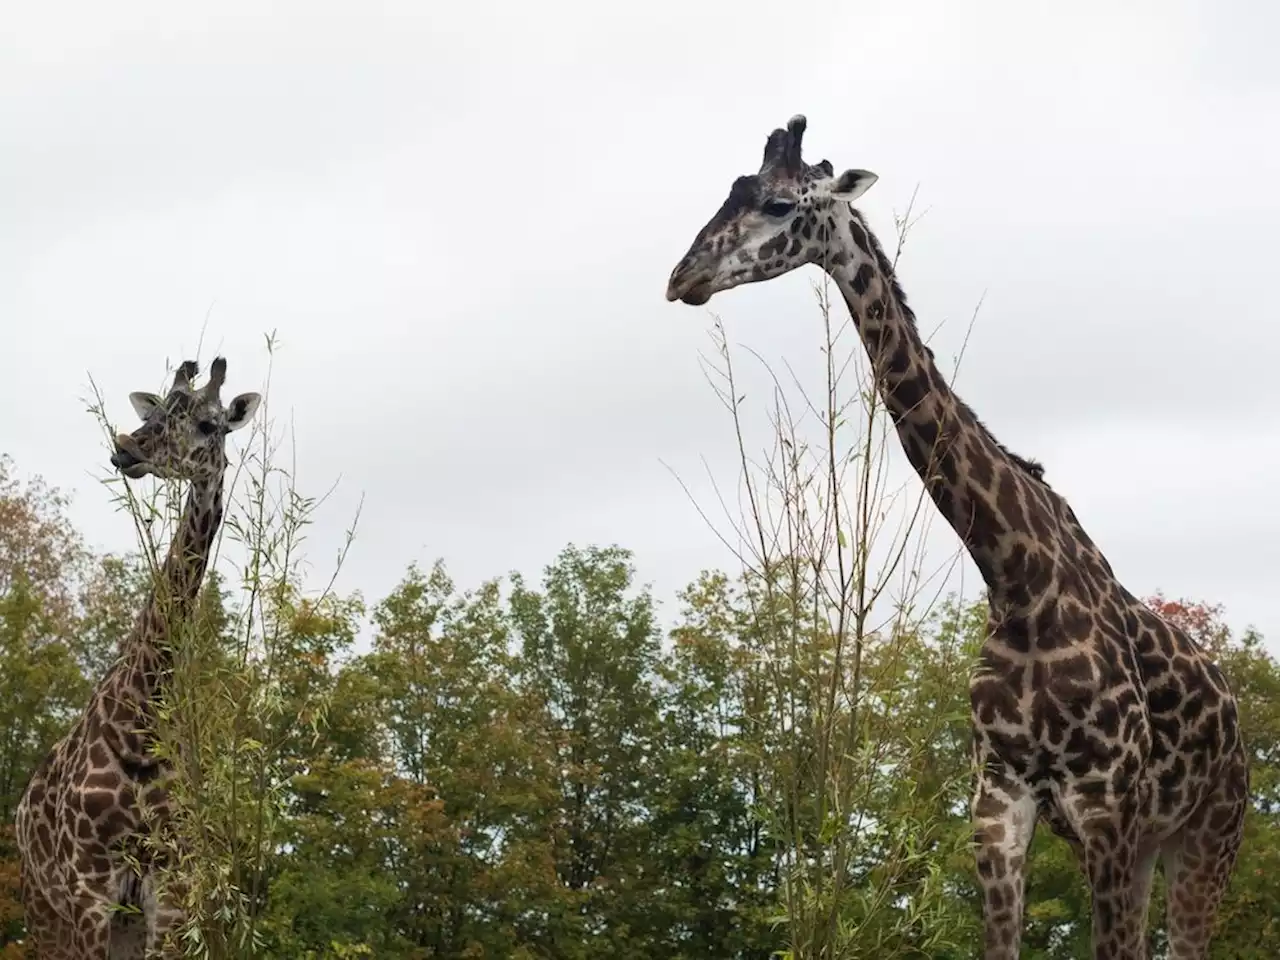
[[460, 218]]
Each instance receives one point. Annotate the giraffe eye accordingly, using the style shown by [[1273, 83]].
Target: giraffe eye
[[207, 427], [778, 208]]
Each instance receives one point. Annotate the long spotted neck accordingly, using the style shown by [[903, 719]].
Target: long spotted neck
[[979, 487], [176, 585], [124, 705]]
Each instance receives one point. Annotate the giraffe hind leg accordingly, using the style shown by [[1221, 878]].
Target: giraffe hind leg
[[1198, 861]]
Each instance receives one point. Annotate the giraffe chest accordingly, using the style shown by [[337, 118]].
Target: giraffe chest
[[1063, 727], [97, 804]]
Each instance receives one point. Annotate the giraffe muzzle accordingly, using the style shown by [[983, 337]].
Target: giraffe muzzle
[[687, 286], [128, 459]]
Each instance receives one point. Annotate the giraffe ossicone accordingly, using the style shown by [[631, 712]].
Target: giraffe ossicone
[[1090, 712], [89, 880]]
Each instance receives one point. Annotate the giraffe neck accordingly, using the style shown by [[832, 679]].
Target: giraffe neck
[[980, 488], [123, 707], [176, 585]]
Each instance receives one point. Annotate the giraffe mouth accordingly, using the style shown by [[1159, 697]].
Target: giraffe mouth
[[133, 469], [127, 458], [695, 294]]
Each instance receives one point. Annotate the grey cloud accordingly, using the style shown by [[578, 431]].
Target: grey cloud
[[461, 219]]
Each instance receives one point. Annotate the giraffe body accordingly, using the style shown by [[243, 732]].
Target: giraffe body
[[88, 879], [1089, 710]]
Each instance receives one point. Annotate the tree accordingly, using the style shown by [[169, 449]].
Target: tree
[[530, 772], [589, 653], [354, 833], [110, 599], [42, 559], [455, 724], [39, 544], [718, 863]]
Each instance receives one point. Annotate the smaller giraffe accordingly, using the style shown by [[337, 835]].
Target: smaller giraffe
[[100, 791]]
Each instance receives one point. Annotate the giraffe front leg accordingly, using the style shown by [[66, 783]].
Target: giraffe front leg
[[1004, 820], [51, 937], [91, 926]]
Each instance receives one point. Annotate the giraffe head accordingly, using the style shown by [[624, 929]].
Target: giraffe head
[[774, 221], [183, 434]]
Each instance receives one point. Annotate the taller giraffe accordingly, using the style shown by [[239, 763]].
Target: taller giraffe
[[1088, 709], [80, 819]]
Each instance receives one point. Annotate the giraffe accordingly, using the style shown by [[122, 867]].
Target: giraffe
[[1089, 711], [100, 790]]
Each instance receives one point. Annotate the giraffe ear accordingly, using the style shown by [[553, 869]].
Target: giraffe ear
[[144, 404], [852, 184], [241, 410]]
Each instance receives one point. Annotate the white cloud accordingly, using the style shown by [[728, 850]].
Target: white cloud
[[460, 220]]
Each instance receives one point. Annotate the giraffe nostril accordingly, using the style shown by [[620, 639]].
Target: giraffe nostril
[[673, 282], [685, 275]]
